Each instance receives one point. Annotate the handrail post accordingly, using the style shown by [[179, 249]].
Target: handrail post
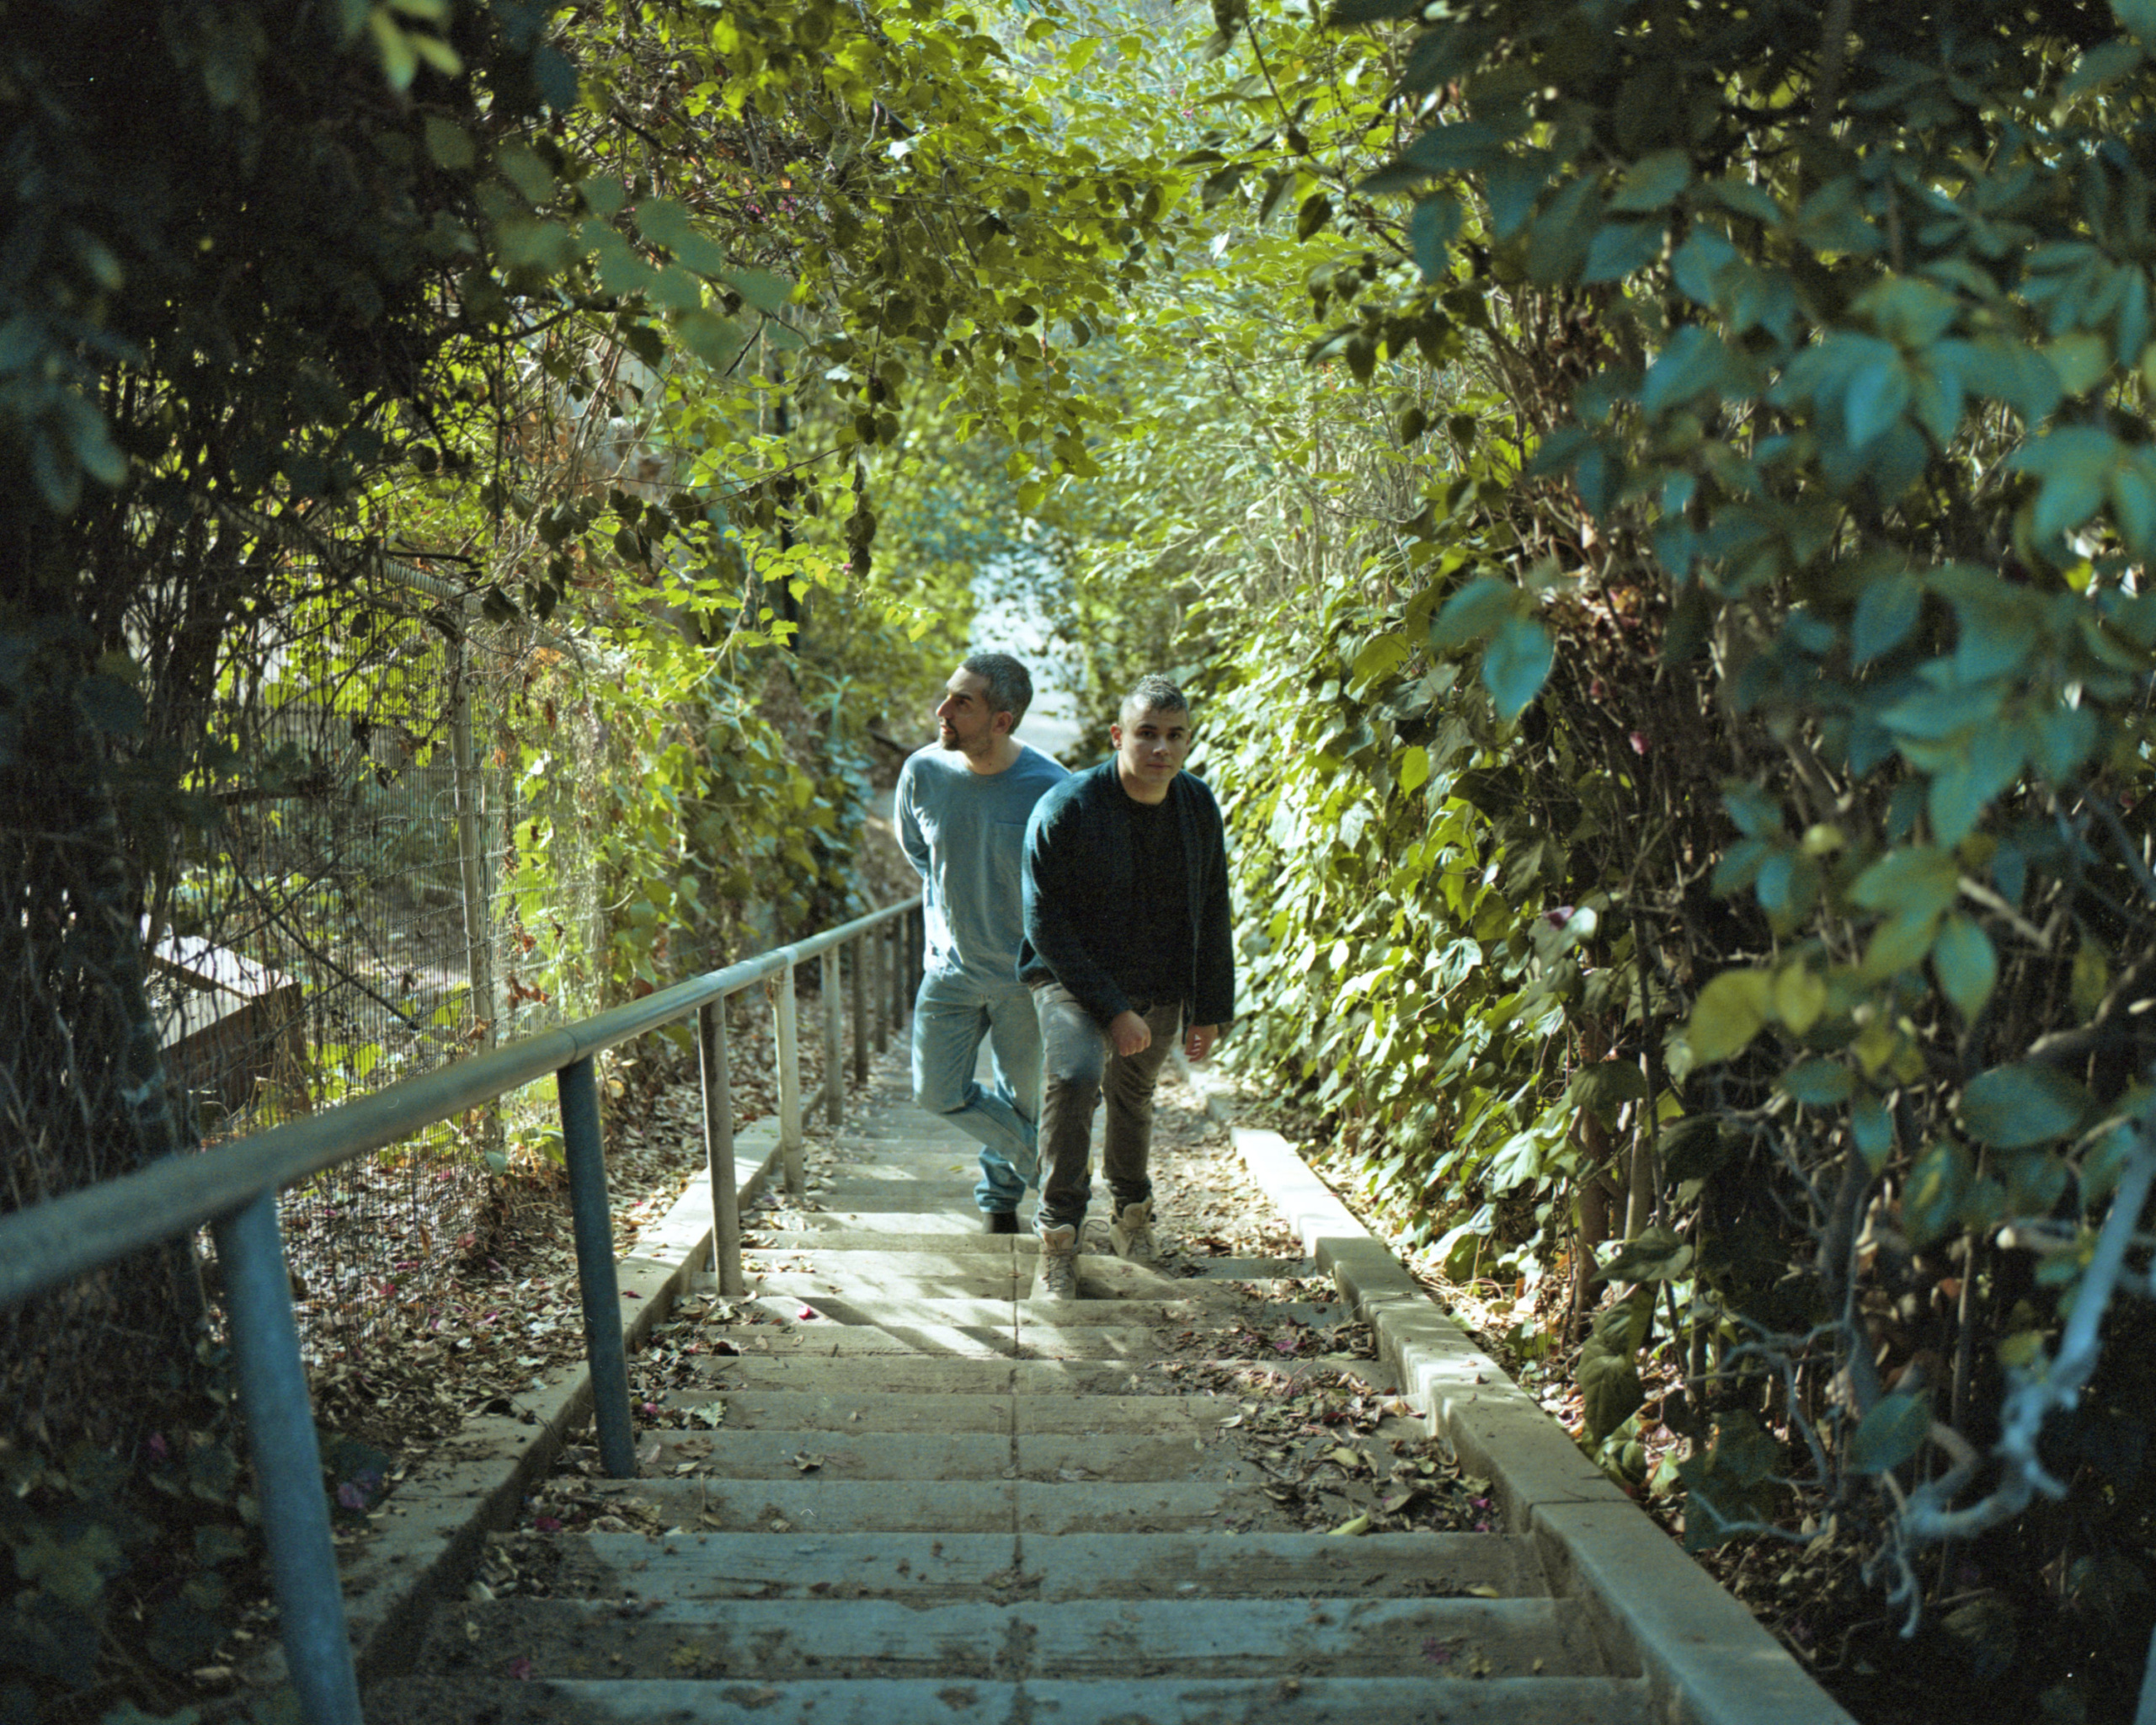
[[834, 1066], [897, 929], [789, 1083], [859, 944], [287, 1462], [719, 1147], [879, 989], [593, 1224]]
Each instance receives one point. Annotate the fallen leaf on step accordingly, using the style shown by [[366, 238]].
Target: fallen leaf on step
[[1360, 1525], [808, 1463], [1485, 1591]]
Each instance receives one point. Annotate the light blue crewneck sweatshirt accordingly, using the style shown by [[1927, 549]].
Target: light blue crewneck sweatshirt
[[966, 834]]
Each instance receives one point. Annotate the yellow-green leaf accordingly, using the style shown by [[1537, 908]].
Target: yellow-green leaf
[[1799, 998], [1730, 1011]]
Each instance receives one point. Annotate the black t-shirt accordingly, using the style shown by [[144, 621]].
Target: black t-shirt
[[1161, 915]]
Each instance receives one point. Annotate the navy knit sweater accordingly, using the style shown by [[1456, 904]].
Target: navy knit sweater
[[1080, 892]]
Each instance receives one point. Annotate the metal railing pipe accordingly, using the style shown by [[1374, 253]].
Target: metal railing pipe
[[789, 1083], [880, 987], [45, 1244], [287, 1461], [857, 957], [233, 1189], [898, 968], [719, 1147], [592, 1222], [833, 1068]]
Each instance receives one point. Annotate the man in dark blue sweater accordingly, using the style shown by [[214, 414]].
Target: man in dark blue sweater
[[1127, 947]]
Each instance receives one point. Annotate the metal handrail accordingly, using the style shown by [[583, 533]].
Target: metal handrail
[[233, 1189]]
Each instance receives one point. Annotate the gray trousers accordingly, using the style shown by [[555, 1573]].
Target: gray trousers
[[1079, 1065]]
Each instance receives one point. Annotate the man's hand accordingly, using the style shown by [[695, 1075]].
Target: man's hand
[[1199, 1043], [1130, 1033]]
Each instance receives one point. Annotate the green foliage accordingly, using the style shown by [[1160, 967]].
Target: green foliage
[[1711, 641], [152, 1554]]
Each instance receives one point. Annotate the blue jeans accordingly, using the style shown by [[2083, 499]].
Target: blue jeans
[[1083, 1067], [951, 1015]]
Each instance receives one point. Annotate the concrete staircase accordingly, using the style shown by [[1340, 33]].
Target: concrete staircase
[[912, 1492]]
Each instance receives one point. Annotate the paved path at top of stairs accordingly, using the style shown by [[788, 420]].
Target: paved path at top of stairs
[[914, 1492]]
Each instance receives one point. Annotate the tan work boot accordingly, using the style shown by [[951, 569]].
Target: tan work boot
[[1058, 1271], [1130, 1234]]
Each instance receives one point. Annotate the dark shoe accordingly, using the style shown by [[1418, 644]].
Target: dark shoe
[[1000, 1222]]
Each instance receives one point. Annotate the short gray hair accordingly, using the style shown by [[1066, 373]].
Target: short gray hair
[[1154, 693], [1009, 685]]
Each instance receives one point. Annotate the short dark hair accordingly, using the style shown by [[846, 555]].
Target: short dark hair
[[1154, 692], [1009, 685]]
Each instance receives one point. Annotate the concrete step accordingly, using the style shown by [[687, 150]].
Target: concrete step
[[822, 1244], [946, 1227], [1083, 1505], [920, 1568], [856, 1410], [827, 1339], [1288, 1700], [1190, 1637], [840, 1453], [868, 1410]]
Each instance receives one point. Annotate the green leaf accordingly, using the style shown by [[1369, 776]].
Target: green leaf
[[1431, 231], [2075, 463], [2012, 1107], [1920, 880], [1610, 1391], [1732, 1481], [1511, 187], [1872, 1129], [1379, 660], [1476, 610], [1938, 1182], [1967, 966], [1604, 1086], [1818, 1084], [449, 146], [1654, 1255], [1890, 1434], [710, 337], [524, 170], [111, 705], [1622, 248], [1652, 182], [1885, 614], [1989, 761], [1517, 663], [1730, 1011], [2105, 63]]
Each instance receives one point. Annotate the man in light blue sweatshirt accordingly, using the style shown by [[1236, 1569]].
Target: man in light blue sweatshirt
[[961, 813]]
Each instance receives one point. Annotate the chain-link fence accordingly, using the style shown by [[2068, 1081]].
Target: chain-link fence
[[398, 865]]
